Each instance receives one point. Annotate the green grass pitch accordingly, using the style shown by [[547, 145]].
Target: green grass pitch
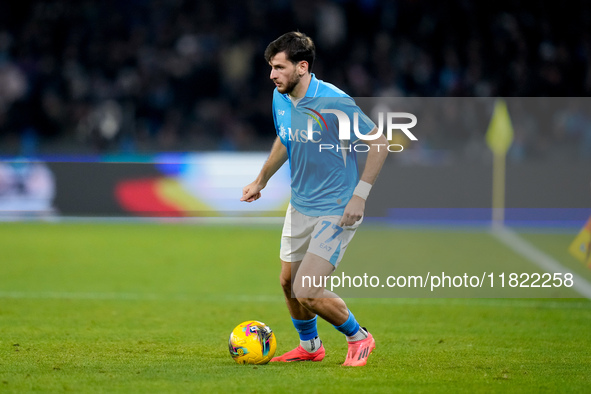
[[97, 307]]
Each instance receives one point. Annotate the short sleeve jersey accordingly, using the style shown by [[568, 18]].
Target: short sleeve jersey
[[323, 168]]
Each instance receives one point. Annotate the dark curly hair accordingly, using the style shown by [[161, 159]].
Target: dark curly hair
[[297, 47]]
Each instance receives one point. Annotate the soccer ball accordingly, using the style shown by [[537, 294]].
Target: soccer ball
[[252, 342]]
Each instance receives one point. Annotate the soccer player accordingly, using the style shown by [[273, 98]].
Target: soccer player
[[327, 199]]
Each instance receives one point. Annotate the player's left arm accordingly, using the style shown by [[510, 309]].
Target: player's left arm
[[375, 160]]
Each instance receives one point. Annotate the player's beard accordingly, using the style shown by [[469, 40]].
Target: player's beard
[[290, 85]]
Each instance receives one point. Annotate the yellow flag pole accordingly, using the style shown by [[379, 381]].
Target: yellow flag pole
[[499, 137], [498, 192]]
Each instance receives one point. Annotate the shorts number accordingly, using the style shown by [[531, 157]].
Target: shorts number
[[326, 224]]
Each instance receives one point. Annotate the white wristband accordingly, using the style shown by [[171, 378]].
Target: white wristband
[[362, 189]]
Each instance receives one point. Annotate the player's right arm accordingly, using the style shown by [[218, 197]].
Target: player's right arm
[[277, 157]]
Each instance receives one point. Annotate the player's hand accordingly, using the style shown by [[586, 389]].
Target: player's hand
[[353, 211], [252, 192]]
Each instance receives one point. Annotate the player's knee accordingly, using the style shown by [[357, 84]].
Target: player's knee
[[306, 294], [285, 282], [285, 279], [308, 302]]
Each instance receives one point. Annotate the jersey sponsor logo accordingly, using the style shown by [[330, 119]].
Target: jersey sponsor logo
[[304, 136]]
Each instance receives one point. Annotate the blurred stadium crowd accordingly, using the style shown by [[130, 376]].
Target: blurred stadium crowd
[[140, 76]]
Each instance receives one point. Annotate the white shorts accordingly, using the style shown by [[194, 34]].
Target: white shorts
[[320, 235]]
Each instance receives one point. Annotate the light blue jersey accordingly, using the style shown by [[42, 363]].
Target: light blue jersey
[[322, 181]]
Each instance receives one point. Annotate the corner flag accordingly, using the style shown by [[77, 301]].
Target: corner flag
[[499, 137], [581, 246]]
